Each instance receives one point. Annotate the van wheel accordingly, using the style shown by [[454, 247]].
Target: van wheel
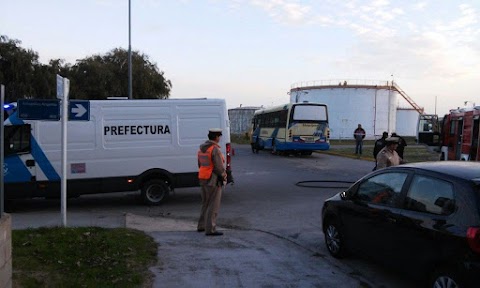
[[155, 192]]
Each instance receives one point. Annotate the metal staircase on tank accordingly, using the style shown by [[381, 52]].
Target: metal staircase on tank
[[419, 109]]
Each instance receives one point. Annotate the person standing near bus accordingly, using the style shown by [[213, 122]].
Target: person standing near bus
[[212, 176], [254, 141], [359, 135]]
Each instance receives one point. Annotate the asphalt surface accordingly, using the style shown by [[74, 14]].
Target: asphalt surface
[[242, 257], [239, 258], [187, 258]]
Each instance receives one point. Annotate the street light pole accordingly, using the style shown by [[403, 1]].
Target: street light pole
[[129, 50]]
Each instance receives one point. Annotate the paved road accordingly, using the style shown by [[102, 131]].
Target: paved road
[[272, 227]]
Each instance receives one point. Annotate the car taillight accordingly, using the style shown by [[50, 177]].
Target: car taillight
[[229, 156], [473, 238]]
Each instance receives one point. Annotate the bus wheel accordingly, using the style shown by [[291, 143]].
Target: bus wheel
[[155, 192], [307, 153]]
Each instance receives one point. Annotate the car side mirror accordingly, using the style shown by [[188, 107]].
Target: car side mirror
[[347, 195]]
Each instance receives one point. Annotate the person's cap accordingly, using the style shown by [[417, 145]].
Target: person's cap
[[385, 133], [392, 140], [215, 130]]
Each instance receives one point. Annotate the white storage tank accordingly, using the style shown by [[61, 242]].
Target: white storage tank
[[373, 104]]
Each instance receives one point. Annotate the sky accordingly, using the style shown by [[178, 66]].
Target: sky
[[251, 52]]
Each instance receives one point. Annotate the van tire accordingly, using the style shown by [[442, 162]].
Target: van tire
[[155, 192]]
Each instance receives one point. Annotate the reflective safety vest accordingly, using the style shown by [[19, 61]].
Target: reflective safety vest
[[206, 164]]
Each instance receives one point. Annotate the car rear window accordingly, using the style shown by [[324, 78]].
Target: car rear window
[[430, 195]]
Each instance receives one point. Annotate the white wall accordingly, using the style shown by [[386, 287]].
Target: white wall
[[374, 108]]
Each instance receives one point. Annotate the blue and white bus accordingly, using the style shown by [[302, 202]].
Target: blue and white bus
[[297, 128]]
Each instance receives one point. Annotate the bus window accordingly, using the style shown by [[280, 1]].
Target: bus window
[[17, 139], [310, 112]]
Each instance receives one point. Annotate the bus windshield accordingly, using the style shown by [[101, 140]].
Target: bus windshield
[[309, 112]]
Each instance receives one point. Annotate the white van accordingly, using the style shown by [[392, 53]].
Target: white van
[[126, 145]]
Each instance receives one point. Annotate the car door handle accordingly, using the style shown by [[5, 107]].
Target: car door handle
[[391, 219], [30, 163]]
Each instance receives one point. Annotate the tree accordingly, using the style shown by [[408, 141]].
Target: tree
[[98, 77], [17, 69], [95, 77]]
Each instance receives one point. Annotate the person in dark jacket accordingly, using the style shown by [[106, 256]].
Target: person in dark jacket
[[379, 144], [401, 144], [358, 135]]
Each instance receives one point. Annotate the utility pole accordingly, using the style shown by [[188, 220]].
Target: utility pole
[[130, 50]]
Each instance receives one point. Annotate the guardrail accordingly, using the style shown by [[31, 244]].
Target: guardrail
[[340, 82]]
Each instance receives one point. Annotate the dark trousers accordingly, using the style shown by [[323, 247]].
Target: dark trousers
[[358, 147]]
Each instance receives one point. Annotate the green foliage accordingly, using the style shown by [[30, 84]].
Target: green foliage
[[94, 77], [81, 257], [240, 138], [98, 77], [17, 68]]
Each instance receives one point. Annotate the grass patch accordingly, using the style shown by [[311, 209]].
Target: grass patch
[[240, 138], [82, 257], [346, 148], [412, 153]]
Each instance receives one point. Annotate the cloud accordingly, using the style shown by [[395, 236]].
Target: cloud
[[420, 5], [284, 11]]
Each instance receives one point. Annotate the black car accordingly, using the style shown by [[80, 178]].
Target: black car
[[422, 218]]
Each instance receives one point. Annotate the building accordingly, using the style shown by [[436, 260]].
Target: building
[[241, 119], [374, 104]]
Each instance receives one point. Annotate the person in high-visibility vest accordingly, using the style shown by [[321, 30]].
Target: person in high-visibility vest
[[212, 177]]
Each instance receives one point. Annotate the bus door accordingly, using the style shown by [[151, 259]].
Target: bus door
[[475, 134], [459, 139]]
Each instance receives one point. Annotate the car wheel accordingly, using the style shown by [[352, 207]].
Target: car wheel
[[445, 279], [334, 239], [155, 192]]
